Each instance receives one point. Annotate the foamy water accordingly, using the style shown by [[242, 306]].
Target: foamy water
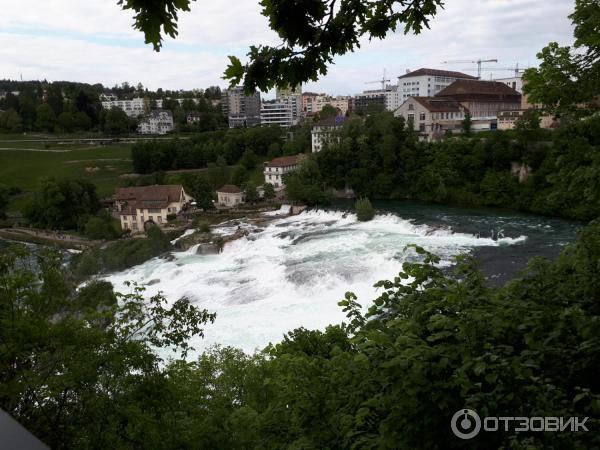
[[293, 272]]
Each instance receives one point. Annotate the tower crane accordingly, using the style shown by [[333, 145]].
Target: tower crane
[[382, 81], [479, 62]]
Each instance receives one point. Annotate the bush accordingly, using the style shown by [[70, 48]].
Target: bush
[[364, 210], [204, 226], [102, 226], [171, 217]]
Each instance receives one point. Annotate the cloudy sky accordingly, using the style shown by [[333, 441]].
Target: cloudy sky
[[93, 41]]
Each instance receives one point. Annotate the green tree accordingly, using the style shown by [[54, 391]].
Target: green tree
[[467, 125], [10, 120], [116, 121], [4, 200], [62, 203], [46, 119], [102, 226], [251, 193], [249, 159], [364, 210], [269, 191], [568, 76], [199, 187], [65, 121]]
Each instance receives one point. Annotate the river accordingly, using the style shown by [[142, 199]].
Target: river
[[293, 272]]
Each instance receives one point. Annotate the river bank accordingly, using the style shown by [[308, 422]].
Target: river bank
[[48, 238]]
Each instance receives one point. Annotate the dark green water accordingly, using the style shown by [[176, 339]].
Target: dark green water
[[546, 236]]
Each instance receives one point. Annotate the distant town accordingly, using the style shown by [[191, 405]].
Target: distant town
[[435, 101]]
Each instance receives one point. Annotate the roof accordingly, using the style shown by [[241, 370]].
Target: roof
[[480, 90], [230, 189], [14, 435], [156, 196], [438, 73], [330, 122], [283, 161], [434, 104]]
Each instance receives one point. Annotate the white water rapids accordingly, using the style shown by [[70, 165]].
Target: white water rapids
[[293, 272]]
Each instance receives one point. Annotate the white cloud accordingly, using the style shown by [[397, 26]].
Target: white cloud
[[93, 41]]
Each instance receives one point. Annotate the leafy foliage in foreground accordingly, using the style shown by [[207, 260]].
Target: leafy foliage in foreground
[[79, 372], [78, 367]]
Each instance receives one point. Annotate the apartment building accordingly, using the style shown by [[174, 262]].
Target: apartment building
[[324, 131], [283, 111], [515, 82], [387, 99], [158, 121], [313, 103], [133, 108], [240, 109], [427, 82]]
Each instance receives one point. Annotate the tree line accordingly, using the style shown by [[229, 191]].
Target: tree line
[[66, 107], [228, 146], [555, 173]]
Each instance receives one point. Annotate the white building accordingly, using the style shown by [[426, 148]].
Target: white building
[[133, 108], [388, 98], [277, 168], [157, 122], [427, 82], [284, 111], [324, 131], [431, 117], [515, 82], [230, 195]]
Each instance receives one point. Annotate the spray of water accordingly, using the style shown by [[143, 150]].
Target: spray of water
[[293, 272]]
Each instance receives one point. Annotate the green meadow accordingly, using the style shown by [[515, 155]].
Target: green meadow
[[23, 164]]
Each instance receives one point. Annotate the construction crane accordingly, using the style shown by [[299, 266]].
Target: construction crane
[[382, 81], [470, 61], [515, 69]]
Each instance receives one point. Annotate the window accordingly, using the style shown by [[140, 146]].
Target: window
[[411, 107], [422, 127], [422, 116], [159, 219]]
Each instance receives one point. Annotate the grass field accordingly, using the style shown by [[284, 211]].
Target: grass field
[[23, 164]]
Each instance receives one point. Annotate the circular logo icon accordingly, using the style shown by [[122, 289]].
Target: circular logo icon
[[465, 424]]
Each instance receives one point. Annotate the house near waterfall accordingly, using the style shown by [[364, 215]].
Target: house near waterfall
[[140, 206]]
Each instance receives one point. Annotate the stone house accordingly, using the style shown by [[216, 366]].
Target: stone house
[[230, 196], [140, 205]]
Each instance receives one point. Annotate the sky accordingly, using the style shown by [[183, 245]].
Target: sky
[[93, 41]]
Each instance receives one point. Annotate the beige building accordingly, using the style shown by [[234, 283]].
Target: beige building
[[508, 119], [324, 131], [313, 103], [431, 117], [278, 167], [230, 196], [140, 205], [483, 99]]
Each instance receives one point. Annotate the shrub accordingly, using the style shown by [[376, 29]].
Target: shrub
[[364, 209], [171, 217]]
